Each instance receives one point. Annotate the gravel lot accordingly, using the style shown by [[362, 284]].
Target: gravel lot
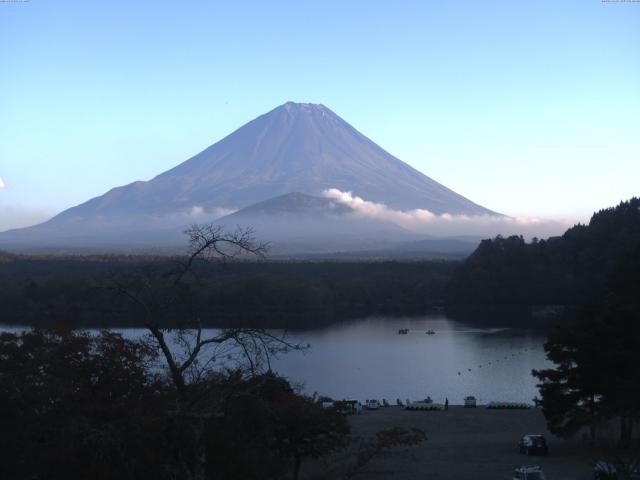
[[469, 443]]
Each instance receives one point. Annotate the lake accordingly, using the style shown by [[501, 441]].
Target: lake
[[367, 358]]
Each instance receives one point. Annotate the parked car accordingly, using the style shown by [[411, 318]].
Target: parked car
[[372, 404], [529, 472], [533, 445], [470, 402], [615, 471]]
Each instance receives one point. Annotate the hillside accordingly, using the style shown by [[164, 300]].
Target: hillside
[[567, 270]]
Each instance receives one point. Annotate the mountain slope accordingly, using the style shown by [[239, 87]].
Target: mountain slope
[[294, 148], [296, 223], [294, 203]]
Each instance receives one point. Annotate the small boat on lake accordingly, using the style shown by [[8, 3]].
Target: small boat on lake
[[403, 331], [430, 332]]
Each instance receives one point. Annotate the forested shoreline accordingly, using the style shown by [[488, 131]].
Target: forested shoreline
[[81, 291], [569, 270], [507, 279]]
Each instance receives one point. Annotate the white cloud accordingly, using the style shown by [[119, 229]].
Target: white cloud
[[424, 221], [222, 211], [196, 211], [369, 209], [2, 184], [211, 213]]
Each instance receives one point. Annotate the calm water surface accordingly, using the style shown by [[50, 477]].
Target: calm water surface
[[368, 359]]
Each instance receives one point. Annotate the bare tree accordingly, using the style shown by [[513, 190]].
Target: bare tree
[[198, 353]]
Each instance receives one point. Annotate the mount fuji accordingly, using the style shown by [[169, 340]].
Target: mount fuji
[[277, 165]]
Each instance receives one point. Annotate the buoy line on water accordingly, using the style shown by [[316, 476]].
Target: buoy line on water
[[499, 360], [504, 358]]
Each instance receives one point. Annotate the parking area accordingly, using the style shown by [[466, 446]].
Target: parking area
[[469, 443]]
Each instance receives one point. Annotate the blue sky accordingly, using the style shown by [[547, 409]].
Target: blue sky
[[528, 108]]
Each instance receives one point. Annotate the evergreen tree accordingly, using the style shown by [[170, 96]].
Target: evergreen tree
[[596, 377]]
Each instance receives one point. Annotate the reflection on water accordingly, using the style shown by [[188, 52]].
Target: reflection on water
[[368, 359]]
